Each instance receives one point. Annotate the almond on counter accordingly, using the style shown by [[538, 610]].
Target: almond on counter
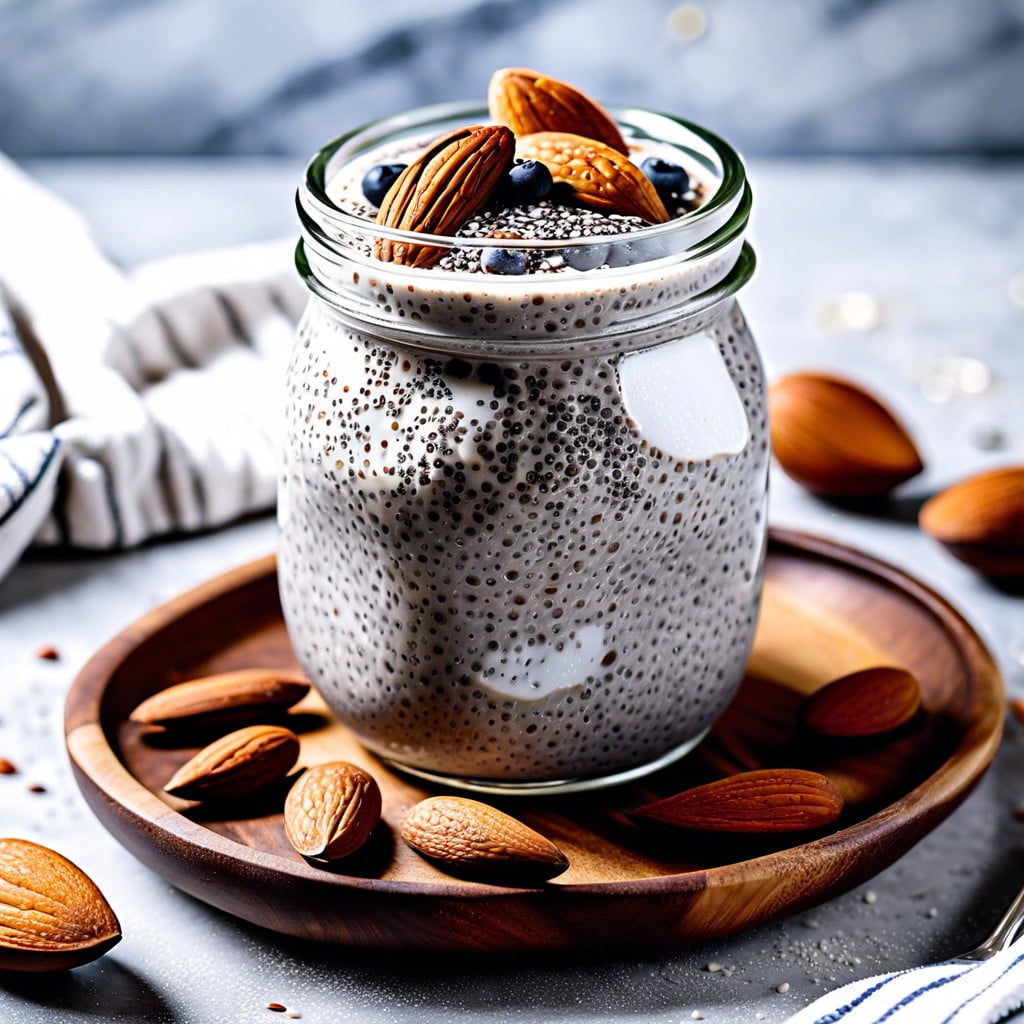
[[837, 439], [981, 521], [52, 916]]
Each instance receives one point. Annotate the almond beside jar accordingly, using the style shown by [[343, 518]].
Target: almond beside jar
[[522, 514]]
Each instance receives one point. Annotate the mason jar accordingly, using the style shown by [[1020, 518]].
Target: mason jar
[[522, 519]]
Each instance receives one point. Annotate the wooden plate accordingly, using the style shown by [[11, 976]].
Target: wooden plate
[[827, 610]]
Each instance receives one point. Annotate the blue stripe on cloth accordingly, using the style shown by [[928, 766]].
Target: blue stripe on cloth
[[9, 429], [917, 993], [841, 1011], [115, 510], [181, 353], [19, 472], [10, 344], [233, 318], [1002, 974], [31, 484]]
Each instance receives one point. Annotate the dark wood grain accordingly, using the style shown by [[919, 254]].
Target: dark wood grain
[[827, 611]]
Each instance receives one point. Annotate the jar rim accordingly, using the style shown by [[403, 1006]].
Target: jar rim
[[322, 217]]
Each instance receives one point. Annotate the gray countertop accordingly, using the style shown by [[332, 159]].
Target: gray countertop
[[935, 246]]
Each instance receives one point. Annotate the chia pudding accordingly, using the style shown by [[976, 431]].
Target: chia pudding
[[523, 512]]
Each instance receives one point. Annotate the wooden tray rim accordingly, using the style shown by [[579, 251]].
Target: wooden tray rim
[[97, 762]]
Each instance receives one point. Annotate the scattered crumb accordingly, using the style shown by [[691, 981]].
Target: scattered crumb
[[870, 896], [932, 912], [48, 654], [36, 788], [989, 439], [783, 988], [696, 1015], [277, 1007], [294, 1014], [7, 767], [713, 967]]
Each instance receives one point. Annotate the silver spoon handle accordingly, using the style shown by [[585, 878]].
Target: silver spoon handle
[[1003, 934]]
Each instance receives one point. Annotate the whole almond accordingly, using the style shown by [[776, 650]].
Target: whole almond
[[530, 102], [222, 696], [438, 192], [331, 810], [236, 765], [865, 703], [461, 833], [599, 176], [981, 521], [837, 439], [767, 800], [52, 916]]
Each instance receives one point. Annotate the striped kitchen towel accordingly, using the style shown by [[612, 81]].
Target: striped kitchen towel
[[139, 403], [955, 992]]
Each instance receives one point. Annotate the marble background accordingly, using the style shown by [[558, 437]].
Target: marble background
[[218, 77]]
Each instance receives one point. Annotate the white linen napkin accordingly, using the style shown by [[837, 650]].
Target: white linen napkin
[[945, 993], [133, 404]]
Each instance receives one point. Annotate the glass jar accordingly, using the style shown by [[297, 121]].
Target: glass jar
[[523, 518]]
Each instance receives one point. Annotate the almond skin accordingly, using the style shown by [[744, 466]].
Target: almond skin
[[767, 800], [837, 439], [600, 177], [530, 102], [449, 182], [331, 810], [222, 696], [459, 833], [865, 703], [981, 521], [236, 765], [52, 916]]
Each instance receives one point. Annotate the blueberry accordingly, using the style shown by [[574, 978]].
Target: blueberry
[[503, 261], [670, 180], [528, 182], [378, 179]]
